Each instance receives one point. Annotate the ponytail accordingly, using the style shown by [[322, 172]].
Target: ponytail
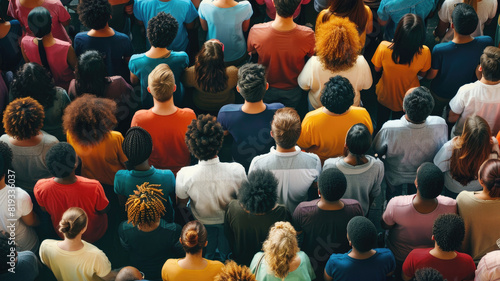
[[40, 23]]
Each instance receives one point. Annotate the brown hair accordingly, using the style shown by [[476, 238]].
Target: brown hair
[[23, 118], [161, 82], [280, 248], [470, 150], [354, 10], [489, 173], [490, 63], [73, 221], [145, 206], [209, 67], [234, 272], [193, 237], [286, 127]]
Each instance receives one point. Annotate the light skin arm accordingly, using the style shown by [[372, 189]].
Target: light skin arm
[[432, 73], [453, 117], [31, 219]]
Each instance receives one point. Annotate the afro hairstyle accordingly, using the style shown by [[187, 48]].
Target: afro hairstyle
[[362, 233], [94, 14], [332, 184], [23, 118], [338, 95], [61, 160], [430, 180], [204, 137], [418, 104], [449, 232], [162, 30], [137, 146], [6, 156], [258, 194]]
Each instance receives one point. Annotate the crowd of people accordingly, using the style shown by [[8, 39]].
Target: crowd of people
[[108, 150]]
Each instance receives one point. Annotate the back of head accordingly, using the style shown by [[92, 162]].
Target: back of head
[[332, 184], [489, 177], [23, 118], [234, 272], [162, 30], [161, 83], [286, 127], [204, 137], [362, 234], [354, 10], [490, 63], [33, 80], [358, 139], [464, 19], [430, 180], [210, 70], [91, 74], [6, 163], [338, 95], [449, 232], [193, 237], [61, 160], [73, 221], [343, 53], [258, 194], [428, 274], [137, 146], [40, 21], [128, 273], [418, 104], [145, 206], [286, 8], [252, 82], [94, 14], [280, 248], [408, 39]]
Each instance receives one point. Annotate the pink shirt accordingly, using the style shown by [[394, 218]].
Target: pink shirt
[[57, 11], [412, 229], [271, 10]]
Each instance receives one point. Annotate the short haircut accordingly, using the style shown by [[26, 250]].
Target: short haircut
[[137, 146], [428, 274], [252, 82], [332, 184], [162, 30], [204, 137], [286, 8], [464, 19], [338, 95], [61, 160], [286, 127], [234, 272], [358, 139], [23, 118], [430, 180], [490, 63], [128, 273], [5, 250], [94, 14], [258, 194], [418, 104], [7, 156], [161, 82], [362, 234], [449, 232]]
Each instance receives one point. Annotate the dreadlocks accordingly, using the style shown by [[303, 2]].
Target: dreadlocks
[[145, 206]]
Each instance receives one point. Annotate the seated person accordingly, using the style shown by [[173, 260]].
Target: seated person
[[234, 272], [363, 262], [488, 268], [14, 265], [129, 273], [448, 234]]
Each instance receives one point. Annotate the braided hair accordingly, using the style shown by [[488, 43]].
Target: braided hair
[[40, 23], [137, 146], [145, 206]]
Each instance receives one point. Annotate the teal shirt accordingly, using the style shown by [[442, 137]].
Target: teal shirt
[[303, 273]]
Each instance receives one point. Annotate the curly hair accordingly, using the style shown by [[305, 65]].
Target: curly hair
[[193, 237], [145, 206], [23, 118], [91, 74], [338, 95], [94, 14], [33, 80], [280, 248], [337, 44], [252, 82], [362, 233], [61, 160], [162, 30], [7, 156], [89, 119], [430, 180], [234, 272], [209, 67], [332, 184], [204, 137], [418, 104], [286, 127], [449, 232], [258, 194], [428, 274]]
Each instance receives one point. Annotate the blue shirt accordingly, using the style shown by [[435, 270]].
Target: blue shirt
[[26, 268], [457, 65], [225, 24], [251, 132], [114, 48], [141, 65], [10, 51], [342, 267], [126, 181], [182, 10]]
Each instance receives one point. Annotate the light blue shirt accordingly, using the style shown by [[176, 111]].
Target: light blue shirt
[[225, 24]]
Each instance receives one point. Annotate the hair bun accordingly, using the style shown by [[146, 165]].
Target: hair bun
[[192, 238], [64, 226]]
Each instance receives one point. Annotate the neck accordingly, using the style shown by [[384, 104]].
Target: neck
[[283, 24], [484, 194], [67, 180], [144, 227], [423, 205], [443, 255], [164, 108], [253, 107], [48, 39], [355, 254], [155, 52], [194, 259], [330, 206], [488, 82], [326, 111], [74, 244], [461, 39], [355, 160], [144, 166], [103, 32], [284, 150], [409, 120]]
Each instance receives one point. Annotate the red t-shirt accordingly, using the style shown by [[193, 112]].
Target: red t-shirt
[[168, 133], [462, 267], [85, 193]]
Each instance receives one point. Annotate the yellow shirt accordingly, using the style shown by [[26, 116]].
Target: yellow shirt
[[171, 271], [397, 78]]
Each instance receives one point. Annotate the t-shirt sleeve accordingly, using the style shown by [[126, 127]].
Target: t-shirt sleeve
[[119, 151], [427, 55], [250, 41], [306, 138], [437, 58], [305, 77], [181, 189], [297, 218], [330, 266], [201, 10], [445, 12], [408, 266], [248, 12], [62, 13], [128, 49], [379, 143], [309, 267], [377, 56], [388, 215], [312, 43], [101, 200], [132, 67], [23, 204], [381, 12], [457, 103], [137, 10], [102, 266], [442, 158], [39, 196], [221, 118], [171, 185], [191, 14], [378, 181]]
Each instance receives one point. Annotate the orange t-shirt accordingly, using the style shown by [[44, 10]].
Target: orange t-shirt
[[172, 271], [498, 137], [168, 133], [398, 78]]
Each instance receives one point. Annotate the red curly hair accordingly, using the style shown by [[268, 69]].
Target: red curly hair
[[23, 118]]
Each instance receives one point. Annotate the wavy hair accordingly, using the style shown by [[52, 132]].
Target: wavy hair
[[280, 248], [209, 67]]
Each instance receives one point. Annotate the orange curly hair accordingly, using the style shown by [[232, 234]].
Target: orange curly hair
[[234, 272], [337, 44], [23, 118]]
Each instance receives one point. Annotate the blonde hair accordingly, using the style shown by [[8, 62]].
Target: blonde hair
[[72, 222], [234, 272], [161, 82], [280, 248], [145, 206]]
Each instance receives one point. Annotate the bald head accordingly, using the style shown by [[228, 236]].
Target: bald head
[[129, 273]]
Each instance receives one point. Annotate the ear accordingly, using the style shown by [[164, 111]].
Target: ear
[[267, 84], [452, 25], [206, 243], [271, 132], [433, 238], [149, 90], [238, 88], [480, 68], [416, 185], [175, 87]]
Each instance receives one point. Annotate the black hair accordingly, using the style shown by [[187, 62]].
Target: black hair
[[430, 180], [40, 23], [7, 156], [408, 39], [464, 19], [338, 95], [449, 232], [362, 234], [5, 250], [91, 74], [204, 137], [61, 160], [332, 184], [286, 8], [137, 146], [162, 30], [258, 194], [358, 139], [428, 274], [418, 104], [94, 14], [252, 82], [34, 81]]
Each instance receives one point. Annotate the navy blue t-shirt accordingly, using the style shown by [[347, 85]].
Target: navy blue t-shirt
[[457, 65], [10, 51], [251, 132]]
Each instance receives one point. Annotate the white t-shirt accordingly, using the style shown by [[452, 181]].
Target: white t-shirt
[[480, 99], [26, 238], [314, 76], [486, 9]]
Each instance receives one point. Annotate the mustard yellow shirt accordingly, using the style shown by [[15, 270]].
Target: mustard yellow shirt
[[171, 271]]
